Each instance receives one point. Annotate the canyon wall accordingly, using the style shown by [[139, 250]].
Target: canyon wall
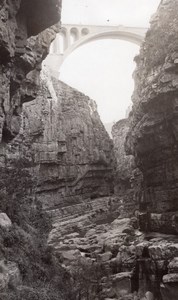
[[26, 30], [55, 157], [66, 159], [72, 150], [25, 38], [74, 160], [152, 138], [114, 221]]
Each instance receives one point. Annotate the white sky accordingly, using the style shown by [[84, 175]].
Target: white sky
[[103, 69]]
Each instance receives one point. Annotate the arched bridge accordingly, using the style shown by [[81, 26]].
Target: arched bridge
[[73, 36]]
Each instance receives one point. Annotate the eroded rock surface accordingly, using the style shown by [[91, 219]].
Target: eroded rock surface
[[70, 145], [23, 46], [69, 154], [152, 138]]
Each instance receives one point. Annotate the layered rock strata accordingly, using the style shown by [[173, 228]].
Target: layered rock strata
[[152, 138], [71, 148], [65, 149], [26, 31]]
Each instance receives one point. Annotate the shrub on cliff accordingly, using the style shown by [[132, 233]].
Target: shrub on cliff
[[87, 279], [161, 39], [17, 198], [25, 242]]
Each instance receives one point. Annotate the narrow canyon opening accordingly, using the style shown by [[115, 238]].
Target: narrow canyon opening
[[84, 216]]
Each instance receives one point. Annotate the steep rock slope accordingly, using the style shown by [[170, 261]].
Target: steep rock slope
[[64, 148], [153, 126], [23, 46], [152, 139], [27, 269], [72, 149]]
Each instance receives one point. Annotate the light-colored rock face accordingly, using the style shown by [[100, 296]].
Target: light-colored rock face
[[133, 263], [96, 239], [5, 222], [21, 53], [152, 137], [169, 287], [9, 275], [70, 145]]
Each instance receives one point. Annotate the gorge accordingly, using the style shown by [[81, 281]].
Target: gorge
[[83, 216]]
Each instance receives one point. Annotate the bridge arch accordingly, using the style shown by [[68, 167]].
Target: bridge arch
[[84, 31], [76, 36]]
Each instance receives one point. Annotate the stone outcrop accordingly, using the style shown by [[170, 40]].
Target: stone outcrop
[[152, 137], [152, 140], [9, 275], [24, 43], [5, 222], [169, 287], [71, 148]]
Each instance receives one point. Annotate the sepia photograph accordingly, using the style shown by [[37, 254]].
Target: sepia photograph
[[88, 149]]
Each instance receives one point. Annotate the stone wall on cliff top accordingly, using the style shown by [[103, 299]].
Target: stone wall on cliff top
[[153, 134], [24, 43], [72, 150]]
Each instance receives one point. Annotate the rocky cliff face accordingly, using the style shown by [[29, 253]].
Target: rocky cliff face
[[71, 147], [25, 262], [152, 138], [64, 148], [61, 159], [136, 264], [24, 43]]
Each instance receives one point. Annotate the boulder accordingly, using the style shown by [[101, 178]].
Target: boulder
[[9, 274], [149, 296], [5, 222]]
